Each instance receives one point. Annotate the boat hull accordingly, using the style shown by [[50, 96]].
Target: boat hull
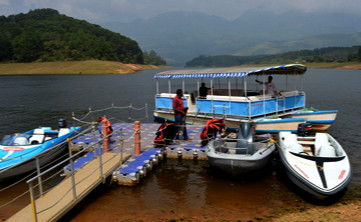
[[320, 176], [30, 165], [262, 126], [275, 126], [237, 167], [237, 164], [17, 159], [320, 120]]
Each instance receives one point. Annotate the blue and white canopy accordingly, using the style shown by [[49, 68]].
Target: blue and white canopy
[[291, 69]]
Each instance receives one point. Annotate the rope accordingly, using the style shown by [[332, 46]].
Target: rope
[[130, 107]]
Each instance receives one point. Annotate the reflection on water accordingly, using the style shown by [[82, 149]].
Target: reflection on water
[[174, 189], [190, 190]]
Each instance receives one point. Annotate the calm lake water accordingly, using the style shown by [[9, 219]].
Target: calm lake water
[[176, 189]]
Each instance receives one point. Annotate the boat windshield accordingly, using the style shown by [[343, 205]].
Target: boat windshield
[[15, 140]]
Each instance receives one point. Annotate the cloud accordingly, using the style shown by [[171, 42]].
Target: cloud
[[4, 2], [125, 10]]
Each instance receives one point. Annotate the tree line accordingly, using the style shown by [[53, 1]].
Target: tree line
[[45, 35], [329, 54]]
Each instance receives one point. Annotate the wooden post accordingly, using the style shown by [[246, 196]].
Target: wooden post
[[105, 134], [137, 138]]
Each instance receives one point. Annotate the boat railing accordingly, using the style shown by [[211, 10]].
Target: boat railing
[[238, 107], [95, 147], [248, 149]]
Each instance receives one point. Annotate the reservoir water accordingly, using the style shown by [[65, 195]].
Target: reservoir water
[[176, 189]]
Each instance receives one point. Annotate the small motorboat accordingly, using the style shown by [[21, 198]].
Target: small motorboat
[[316, 163], [240, 154], [19, 151], [321, 120]]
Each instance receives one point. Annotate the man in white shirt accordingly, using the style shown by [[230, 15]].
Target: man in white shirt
[[270, 86]]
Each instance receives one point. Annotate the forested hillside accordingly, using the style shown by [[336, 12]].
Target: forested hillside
[[46, 35], [329, 54]]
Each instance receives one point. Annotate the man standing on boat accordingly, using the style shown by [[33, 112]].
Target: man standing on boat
[[203, 91], [180, 115], [270, 86]]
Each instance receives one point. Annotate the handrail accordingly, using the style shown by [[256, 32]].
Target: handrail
[[69, 158]]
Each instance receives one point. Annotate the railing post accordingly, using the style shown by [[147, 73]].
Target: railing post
[[121, 144], [105, 135], [137, 138], [93, 137], [32, 199], [72, 170], [146, 112], [39, 178], [130, 113]]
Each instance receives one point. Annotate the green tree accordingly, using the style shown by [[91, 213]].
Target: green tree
[[153, 59], [6, 49], [27, 47]]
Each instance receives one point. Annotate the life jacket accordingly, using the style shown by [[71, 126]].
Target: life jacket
[[108, 125], [210, 130], [165, 134]]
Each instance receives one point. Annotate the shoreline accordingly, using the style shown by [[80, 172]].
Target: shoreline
[[72, 68], [96, 67]]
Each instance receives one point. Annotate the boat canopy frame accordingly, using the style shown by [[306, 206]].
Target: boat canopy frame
[[291, 69]]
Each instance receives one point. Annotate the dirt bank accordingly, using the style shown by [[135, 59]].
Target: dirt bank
[[71, 67]]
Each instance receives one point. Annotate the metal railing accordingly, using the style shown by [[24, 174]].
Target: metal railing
[[97, 149]]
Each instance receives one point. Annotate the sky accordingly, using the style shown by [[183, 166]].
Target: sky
[[102, 11]]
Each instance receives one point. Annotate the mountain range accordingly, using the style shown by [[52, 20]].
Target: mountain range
[[180, 36]]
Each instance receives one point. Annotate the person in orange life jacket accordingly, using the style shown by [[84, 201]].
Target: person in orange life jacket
[[109, 128], [180, 113], [270, 86]]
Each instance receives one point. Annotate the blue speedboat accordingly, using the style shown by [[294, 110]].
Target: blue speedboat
[[19, 151]]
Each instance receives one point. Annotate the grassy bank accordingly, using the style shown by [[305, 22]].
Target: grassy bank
[[71, 67], [323, 65]]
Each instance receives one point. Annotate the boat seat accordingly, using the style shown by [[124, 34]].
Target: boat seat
[[20, 141], [321, 139], [290, 141], [245, 139], [327, 151], [295, 148], [63, 131], [37, 137], [288, 138]]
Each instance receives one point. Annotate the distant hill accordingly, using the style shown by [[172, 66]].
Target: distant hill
[[329, 54], [46, 35], [180, 36]]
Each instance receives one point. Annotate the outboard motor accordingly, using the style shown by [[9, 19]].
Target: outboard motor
[[304, 129], [245, 139], [62, 123]]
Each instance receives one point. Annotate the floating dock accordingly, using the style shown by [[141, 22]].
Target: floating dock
[[137, 167], [120, 163]]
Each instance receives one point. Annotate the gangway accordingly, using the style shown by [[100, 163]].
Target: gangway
[[55, 203]]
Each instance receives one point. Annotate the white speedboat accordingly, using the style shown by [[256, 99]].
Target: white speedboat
[[317, 164], [241, 154]]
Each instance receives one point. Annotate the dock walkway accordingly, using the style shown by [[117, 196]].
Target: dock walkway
[[51, 208], [87, 175]]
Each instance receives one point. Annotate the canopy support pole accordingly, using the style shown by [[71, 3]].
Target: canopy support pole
[[157, 86]]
